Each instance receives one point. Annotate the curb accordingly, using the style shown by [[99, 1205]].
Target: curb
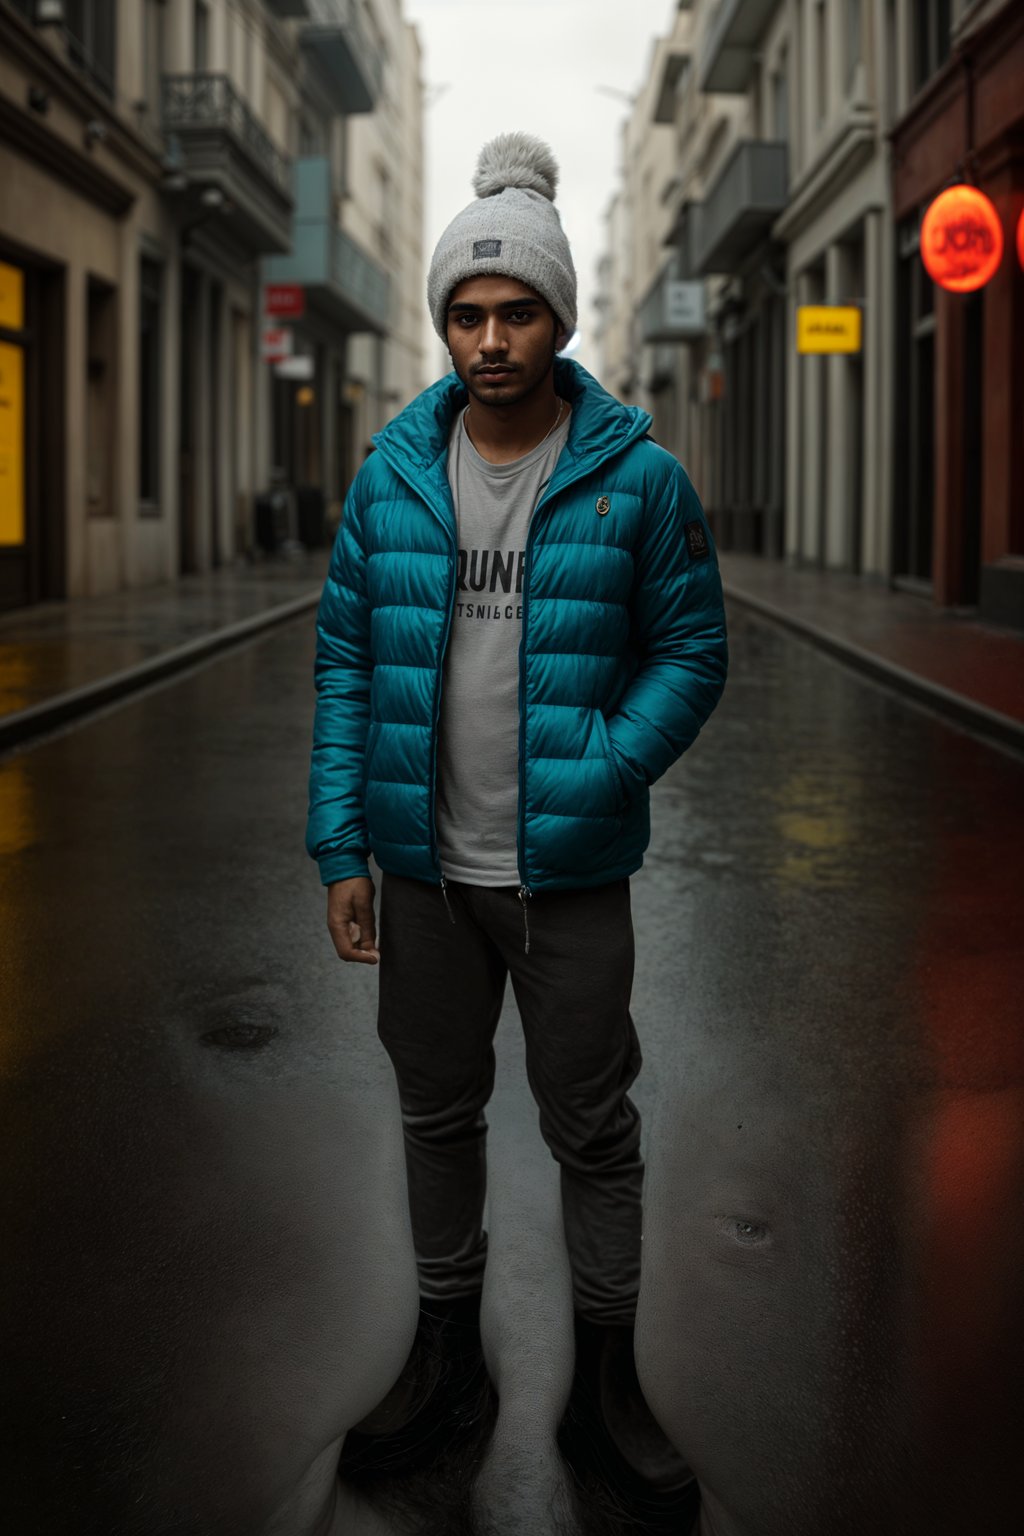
[[997, 729], [24, 724]]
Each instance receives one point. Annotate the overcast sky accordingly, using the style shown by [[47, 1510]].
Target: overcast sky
[[491, 66]]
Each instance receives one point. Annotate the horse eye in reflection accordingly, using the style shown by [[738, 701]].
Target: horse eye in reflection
[[750, 1233], [240, 1037]]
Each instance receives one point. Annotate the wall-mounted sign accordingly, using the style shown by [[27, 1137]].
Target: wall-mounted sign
[[302, 367], [828, 328], [961, 239], [285, 301], [684, 308], [278, 341]]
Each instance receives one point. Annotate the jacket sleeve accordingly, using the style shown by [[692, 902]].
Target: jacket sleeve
[[336, 834], [679, 625]]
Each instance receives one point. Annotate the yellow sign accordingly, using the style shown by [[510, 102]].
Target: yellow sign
[[12, 297], [827, 328], [12, 444]]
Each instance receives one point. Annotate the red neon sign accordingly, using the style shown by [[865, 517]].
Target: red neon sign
[[961, 239], [1020, 238]]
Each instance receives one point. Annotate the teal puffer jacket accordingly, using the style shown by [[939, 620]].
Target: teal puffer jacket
[[622, 657]]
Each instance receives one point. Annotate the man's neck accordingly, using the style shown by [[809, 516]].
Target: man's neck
[[501, 434]]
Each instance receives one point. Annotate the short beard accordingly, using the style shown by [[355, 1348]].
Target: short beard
[[521, 395]]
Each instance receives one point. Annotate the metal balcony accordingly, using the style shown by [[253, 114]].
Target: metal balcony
[[673, 310], [341, 280], [742, 205], [731, 43], [220, 143], [336, 45]]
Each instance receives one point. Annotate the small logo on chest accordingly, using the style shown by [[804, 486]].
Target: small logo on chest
[[604, 506]]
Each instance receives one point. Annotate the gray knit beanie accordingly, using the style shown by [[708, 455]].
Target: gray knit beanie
[[512, 229]]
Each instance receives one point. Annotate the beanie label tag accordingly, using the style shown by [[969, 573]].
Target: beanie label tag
[[484, 248]]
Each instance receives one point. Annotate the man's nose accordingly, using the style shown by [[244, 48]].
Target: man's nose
[[493, 338]]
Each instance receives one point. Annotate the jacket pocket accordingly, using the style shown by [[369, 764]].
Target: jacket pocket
[[620, 798]]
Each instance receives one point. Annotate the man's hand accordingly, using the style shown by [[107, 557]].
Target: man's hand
[[350, 920]]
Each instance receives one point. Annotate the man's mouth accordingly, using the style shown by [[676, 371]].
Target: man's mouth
[[498, 371]]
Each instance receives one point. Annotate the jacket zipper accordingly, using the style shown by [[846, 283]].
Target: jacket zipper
[[525, 892]]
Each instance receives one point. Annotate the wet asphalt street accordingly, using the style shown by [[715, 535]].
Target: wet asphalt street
[[207, 1272]]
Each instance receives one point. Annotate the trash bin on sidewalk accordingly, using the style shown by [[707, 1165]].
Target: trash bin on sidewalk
[[309, 501], [271, 520]]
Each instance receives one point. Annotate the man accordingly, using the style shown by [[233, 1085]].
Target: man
[[521, 629]]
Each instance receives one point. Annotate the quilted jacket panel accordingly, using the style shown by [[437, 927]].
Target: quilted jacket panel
[[623, 654]]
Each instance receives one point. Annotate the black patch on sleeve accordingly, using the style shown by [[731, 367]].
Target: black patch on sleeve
[[696, 541], [484, 248]]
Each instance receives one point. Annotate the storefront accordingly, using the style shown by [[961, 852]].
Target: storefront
[[958, 519], [31, 437]]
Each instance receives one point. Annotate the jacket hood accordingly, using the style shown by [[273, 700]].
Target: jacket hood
[[601, 425]]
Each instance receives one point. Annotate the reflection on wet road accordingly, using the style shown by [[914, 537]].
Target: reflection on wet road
[[207, 1259]]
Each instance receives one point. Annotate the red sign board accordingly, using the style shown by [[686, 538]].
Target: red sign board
[[278, 341], [284, 300], [961, 239]]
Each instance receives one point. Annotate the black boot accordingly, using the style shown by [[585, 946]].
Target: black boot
[[619, 1456], [441, 1396], [636, 1433]]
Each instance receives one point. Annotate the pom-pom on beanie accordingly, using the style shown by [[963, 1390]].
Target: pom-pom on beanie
[[512, 229]]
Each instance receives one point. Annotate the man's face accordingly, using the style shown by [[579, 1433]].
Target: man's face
[[502, 337]]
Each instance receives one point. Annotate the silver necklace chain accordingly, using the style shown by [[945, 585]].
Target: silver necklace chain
[[547, 434]]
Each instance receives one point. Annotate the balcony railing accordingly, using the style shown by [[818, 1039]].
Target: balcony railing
[[361, 280], [211, 101], [743, 204], [335, 39], [341, 278], [731, 41]]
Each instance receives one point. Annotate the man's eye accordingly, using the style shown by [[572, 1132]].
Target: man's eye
[[465, 321], [520, 315]]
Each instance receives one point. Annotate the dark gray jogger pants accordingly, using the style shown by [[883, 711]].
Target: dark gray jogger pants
[[441, 990]]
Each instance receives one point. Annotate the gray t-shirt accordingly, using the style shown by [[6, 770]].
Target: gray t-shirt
[[478, 740]]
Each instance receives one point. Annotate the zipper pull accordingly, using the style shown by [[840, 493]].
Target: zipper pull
[[444, 893], [524, 895]]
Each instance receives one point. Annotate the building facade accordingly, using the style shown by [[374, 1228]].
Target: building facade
[[959, 516], [156, 157], [810, 137]]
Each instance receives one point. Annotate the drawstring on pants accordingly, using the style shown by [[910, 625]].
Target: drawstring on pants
[[524, 895], [448, 905]]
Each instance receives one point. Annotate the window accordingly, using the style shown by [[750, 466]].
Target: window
[[853, 40], [821, 49], [91, 28], [780, 100], [311, 135], [150, 292], [153, 54], [201, 38], [101, 320], [929, 44], [915, 423]]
